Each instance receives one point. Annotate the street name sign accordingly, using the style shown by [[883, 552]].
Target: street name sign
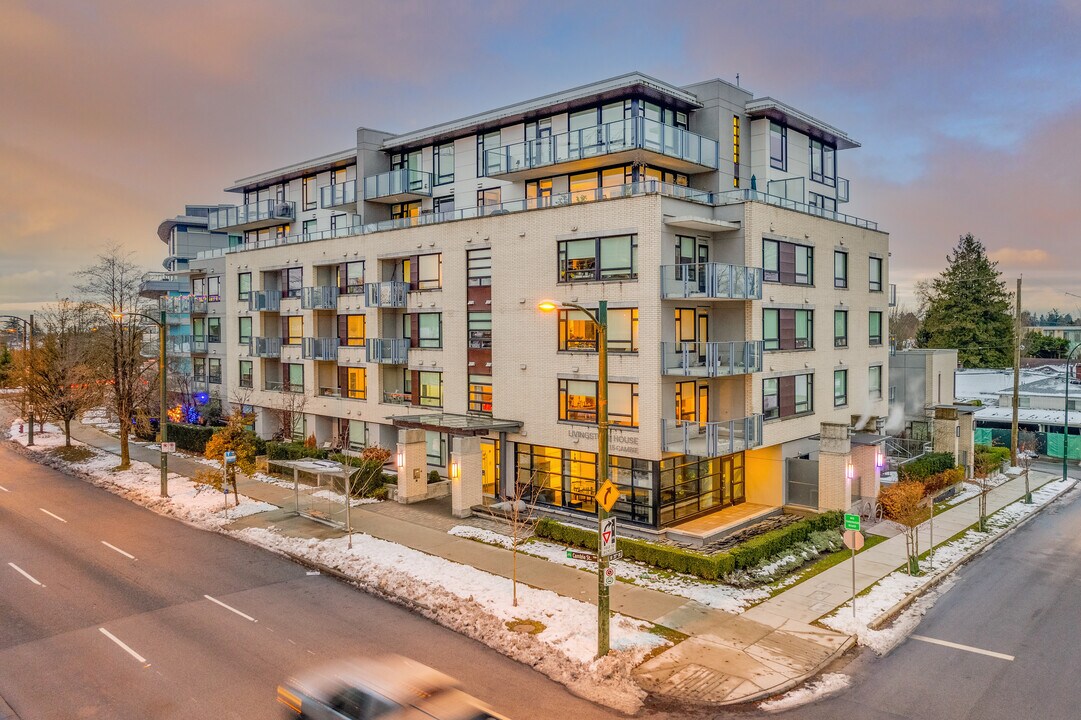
[[607, 495], [574, 555], [852, 522], [608, 537], [230, 456]]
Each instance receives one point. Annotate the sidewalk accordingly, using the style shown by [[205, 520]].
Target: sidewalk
[[727, 658]]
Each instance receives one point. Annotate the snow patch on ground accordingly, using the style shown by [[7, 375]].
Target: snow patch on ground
[[481, 535], [340, 498], [827, 684]]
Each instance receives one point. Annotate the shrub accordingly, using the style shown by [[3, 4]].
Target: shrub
[[987, 459], [934, 484], [433, 476], [294, 451], [925, 466], [192, 438], [768, 544]]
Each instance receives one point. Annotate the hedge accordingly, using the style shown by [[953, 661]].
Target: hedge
[[192, 438], [925, 466], [294, 451], [709, 567], [987, 458]]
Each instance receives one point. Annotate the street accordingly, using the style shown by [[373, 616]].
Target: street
[[106, 614]]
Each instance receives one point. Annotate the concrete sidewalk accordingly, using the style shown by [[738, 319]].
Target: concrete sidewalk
[[727, 658]]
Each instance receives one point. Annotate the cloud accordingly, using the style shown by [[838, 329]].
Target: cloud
[[1034, 257]]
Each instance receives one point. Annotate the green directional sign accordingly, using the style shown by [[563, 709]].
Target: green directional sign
[[852, 522]]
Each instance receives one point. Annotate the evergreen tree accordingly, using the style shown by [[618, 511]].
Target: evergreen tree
[[969, 309]]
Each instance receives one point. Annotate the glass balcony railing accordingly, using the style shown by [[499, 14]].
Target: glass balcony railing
[[711, 280], [319, 348], [711, 359], [402, 182], [263, 213], [199, 304], [338, 194], [389, 294], [747, 195], [893, 295], [323, 297], [842, 189], [199, 344], [265, 300], [615, 137], [388, 351], [265, 347], [711, 439], [397, 397]]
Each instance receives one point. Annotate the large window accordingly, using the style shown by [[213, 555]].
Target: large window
[[578, 333], [787, 263], [311, 192], [690, 485], [293, 376], [578, 402], [352, 383], [213, 329], [444, 163], [402, 211], [351, 330], [213, 367], [243, 284], [480, 394], [840, 388], [292, 329], [485, 142], [244, 330], [436, 448], [874, 273], [207, 288], [840, 269], [429, 330], [246, 373], [489, 197], [823, 163], [443, 204], [350, 278], [840, 328], [479, 267], [429, 272], [874, 382], [198, 369], [874, 327], [431, 388], [480, 330], [788, 329], [787, 396], [603, 258], [778, 146], [292, 280]]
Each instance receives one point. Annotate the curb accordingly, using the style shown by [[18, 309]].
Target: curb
[[6, 713], [793, 682]]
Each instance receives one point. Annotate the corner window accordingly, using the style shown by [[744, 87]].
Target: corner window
[[874, 273], [823, 163], [778, 146], [874, 328], [874, 382], [578, 402], [840, 388], [840, 328], [606, 258], [787, 263], [245, 373], [444, 163], [578, 333], [840, 269], [485, 142], [786, 329]]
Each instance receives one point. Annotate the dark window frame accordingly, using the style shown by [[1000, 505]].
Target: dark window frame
[[439, 176], [872, 284], [781, 162], [241, 293], [787, 323], [786, 256], [840, 400], [874, 340], [250, 375], [840, 341], [598, 272], [840, 282]]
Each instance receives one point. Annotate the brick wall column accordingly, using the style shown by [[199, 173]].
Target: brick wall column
[[834, 457], [466, 490], [412, 457]]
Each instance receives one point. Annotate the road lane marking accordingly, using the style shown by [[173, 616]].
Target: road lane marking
[[114, 547], [52, 515], [233, 609], [967, 648], [4, 488], [25, 574], [120, 642]]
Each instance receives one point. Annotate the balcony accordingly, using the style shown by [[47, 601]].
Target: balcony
[[324, 297], [716, 281], [389, 294], [253, 216], [623, 141], [711, 359], [319, 348], [199, 344], [177, 345], [157, 284], [398, 186], [388, 351], [397, 397], [279, 386], [199, 386], [747, 195], [340, 196], [264, 301], [198, 304], [711, 439], [176, 305], [265, 347]]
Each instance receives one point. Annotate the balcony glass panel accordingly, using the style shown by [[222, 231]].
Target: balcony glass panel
[[711, 280], [388, 351], [331, 196], [398, 182], [711, 439], [269, 211], [711, 359]]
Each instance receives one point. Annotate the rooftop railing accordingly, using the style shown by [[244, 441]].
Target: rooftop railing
[[747, 195]]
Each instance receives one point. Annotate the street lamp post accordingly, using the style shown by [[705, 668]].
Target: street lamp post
[[600, 322], [163, 426], [1066, 414], [28, 339]]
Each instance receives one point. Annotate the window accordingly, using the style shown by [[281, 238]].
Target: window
[[292, 329], [243, 284], [356, 434], [480, 394], [538, 193], [787, 263], [443, 204], [823, 163], [874, 382], [245, 373], [840, 328], [485, 142], [489, 197], [311, 193], [352, 383], [351, 278], [214, 371], [787, 396], [309, 227], [578, 402], [735, 151], [401, 211], [429, 272], [431, 388], [213, 330], [578, 333], [479, 267], [778, 146], [351, 330], [785, 329], [686, 396], [874, 272], [436, 449], [198, 369], [822, 201], [293, 375], [292, 280], [874, 327], [840, 388], [341, 222], [444, 163], [429, 330], [244, 330], [840, 269], [606, 258], [480, 330]]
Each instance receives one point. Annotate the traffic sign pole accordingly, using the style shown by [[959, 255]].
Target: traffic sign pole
[[603, 600]]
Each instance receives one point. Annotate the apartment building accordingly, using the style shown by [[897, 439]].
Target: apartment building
[[387, 294]]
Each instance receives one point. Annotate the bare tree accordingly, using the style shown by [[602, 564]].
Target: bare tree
[[111, 289], [288, 407], [518, 510]]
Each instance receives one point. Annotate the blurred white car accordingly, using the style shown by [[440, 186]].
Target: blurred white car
[[390, 688]]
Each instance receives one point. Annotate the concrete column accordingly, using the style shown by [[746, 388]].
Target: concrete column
[[466, 490], [834, 457], [966, 443], [865, 464], [412, 457], [946, 430]]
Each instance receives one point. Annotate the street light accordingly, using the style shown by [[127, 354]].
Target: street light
[[600, 322], [163, 426], [1066, 415], [29, 339]]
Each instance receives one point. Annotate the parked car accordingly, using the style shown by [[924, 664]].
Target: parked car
[[389, 688]]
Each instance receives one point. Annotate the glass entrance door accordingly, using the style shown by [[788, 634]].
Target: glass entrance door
[[488, 473]]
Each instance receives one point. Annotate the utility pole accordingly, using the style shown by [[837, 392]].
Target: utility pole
[[1016, 375]]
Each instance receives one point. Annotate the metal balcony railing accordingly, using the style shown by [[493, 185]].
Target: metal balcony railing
[[711, 359], [338, 194], [389, 294], [388, 351], [711, 439], [401, 182], [265, 347], [748, 195], [319, 348], [199, 344], [324, 297], [711, 280], [265, 300]]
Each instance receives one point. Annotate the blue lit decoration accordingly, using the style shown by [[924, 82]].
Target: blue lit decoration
[[191, 414], [202, 398]]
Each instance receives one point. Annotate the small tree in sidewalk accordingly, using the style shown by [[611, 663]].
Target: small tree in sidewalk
[[237, 437], [518, 510], [904, 504]]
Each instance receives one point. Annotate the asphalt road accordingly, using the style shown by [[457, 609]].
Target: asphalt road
[[188, 656]]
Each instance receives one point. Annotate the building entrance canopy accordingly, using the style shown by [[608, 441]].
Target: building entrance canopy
[[452, 424]]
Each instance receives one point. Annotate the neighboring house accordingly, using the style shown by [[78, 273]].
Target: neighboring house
[[388, 294], [1072, 333], [919, 380]]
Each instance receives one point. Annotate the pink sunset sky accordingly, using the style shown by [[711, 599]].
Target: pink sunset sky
[[116, 114]]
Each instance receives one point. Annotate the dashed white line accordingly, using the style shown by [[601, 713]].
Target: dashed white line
[[967, 648], [114, 547], [25, 574], [52, 515], [4, 488], [120, 642], [232, 609]]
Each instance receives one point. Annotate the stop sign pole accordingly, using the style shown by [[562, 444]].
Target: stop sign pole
[[854, 540]]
